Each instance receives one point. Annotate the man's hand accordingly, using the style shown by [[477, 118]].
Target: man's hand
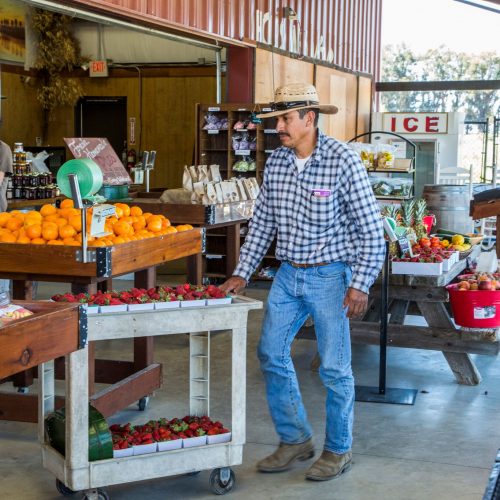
[[233, 284], [356, 302]]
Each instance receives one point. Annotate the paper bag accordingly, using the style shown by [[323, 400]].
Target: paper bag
[[241, 190], [215, 173], [203, 174], [218, 192], [194, 173], [211, 194], [187, 181], [179, 195]]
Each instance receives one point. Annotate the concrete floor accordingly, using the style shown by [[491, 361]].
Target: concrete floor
[[441, 448]]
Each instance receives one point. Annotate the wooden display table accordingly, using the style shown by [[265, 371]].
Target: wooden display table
[[26, 263], [17, 204], [33, 340], [430, 296]]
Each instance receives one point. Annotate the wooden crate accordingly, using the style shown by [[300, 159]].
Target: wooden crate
[[120, 259], [53, 331]]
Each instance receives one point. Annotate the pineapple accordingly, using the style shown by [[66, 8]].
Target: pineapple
[[407, 209], [419, 213]]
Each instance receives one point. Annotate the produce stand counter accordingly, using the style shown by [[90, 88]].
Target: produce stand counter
[[27, 263], [228, 216], [76, 472], [430, 297]]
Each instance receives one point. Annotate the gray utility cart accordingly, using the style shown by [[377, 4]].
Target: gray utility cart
[[74, 472]]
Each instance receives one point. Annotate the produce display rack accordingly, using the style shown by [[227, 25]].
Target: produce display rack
[[27, 263], [74, 471]]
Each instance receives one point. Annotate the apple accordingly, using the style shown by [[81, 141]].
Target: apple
[[485, 284], [464, 285], [474, 286]]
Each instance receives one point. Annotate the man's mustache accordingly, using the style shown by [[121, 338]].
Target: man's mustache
[[283, 134]]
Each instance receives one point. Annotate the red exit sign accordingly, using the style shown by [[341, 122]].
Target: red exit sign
[[98, 68], [416, 123]]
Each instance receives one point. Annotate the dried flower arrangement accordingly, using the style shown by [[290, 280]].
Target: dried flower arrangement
[[58, 52]]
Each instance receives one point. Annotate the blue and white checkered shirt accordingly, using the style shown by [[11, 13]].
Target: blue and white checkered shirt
[[339, 224]]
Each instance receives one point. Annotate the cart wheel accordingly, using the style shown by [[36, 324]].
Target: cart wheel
[[63, 489], [101, 495], [222, 480], [143, 403]]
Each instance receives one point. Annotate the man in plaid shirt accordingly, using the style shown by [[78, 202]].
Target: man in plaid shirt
[[317, 201]]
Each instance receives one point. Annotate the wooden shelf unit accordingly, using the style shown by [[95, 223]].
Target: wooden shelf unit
[[216, 146]]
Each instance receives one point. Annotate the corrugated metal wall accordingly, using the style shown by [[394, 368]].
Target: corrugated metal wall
[[342, 32]]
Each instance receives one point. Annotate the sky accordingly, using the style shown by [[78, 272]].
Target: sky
[[426, 24]]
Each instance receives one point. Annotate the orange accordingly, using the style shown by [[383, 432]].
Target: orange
[[60, 221], [7, 238], [121, 228], [71, 242], [111, 220], [125, 208], [55, 242], [135, 211], [140, 223], [13, 223], [51, 218], [170, 229], [33, 214], [165, 223], [67, 203], [4, 217], [48, 210], [33, 231], [38, 241], [97, 243], [184, 227], [50, 231], [117, 239], [147, 215], [23, 240], [76, 222], [154, 223], [66, 231], [119, 211]]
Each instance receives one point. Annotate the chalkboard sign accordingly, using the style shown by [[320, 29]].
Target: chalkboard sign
[[100, 150]]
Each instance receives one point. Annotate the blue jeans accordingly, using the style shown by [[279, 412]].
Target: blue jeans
[[295, 294]]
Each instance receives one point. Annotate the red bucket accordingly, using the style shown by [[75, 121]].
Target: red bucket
[[475, 309], [428, 221]]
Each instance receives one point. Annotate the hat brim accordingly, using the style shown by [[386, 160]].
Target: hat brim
[[327, 109]]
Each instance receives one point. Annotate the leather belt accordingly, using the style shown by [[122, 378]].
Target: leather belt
[[306, 266]]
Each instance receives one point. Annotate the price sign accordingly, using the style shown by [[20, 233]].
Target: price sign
[[404, 246], [100, 150]]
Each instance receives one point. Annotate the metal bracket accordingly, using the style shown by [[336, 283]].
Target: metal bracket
[[82, 327], [203, 240], [210, 214], [91, 256], [103, 261]]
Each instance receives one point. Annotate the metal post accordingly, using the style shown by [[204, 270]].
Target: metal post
[[383, 322], [218, 76]]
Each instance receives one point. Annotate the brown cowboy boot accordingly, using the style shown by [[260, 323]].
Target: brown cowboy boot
[[285, 456], [329, 466]]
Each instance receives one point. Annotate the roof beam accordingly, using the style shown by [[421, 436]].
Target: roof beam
[[437, 85]]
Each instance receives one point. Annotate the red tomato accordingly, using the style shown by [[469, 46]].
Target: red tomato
[[425, 242]]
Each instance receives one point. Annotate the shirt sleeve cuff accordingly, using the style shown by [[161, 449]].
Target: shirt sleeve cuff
[[359, 284], [243, 271]]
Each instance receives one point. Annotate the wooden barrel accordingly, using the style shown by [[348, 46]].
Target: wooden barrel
[[450, 204]]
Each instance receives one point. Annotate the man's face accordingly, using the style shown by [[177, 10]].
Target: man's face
[[292, 129]]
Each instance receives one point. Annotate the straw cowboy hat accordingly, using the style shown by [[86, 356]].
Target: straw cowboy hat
[[295, 96]]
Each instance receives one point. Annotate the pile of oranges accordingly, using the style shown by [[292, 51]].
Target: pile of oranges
[[63, 226]]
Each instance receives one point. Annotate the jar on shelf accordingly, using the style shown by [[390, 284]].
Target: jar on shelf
[[34, 180]]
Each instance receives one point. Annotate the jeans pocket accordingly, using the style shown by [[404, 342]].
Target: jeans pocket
[[334, 270]]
